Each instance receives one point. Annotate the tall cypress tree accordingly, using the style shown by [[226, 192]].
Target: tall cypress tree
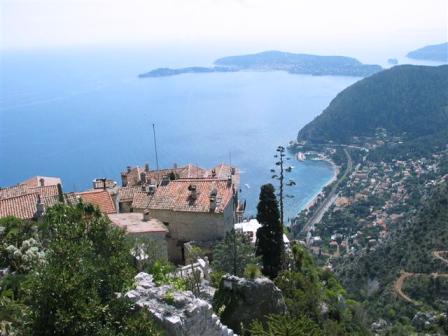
[[270, 235]]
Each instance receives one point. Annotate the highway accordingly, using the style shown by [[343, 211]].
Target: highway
[[330, 199]]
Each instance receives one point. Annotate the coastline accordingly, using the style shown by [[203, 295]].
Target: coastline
[[330, 181]]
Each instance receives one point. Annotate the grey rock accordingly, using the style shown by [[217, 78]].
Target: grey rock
[[244, 300], [424, 320], [183, 314], [379, 325]]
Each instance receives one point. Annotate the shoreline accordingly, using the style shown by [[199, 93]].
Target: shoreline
[[330, 181]]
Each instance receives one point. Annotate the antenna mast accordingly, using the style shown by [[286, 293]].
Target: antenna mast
[[155, 148]]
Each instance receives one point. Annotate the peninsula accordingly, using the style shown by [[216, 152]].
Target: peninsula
[[437, 52], [279, 61]]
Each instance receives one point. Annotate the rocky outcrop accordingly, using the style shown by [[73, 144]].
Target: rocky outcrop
[[241, 301], [425, 320], [179, 313]]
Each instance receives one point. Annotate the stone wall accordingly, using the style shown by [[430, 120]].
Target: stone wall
[[179, 313], [186, 226]]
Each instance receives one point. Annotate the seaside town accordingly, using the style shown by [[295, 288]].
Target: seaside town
[[174, 206], [370, 198]]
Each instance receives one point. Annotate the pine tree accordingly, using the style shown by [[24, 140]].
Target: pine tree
[[233, 254], [270, 236]]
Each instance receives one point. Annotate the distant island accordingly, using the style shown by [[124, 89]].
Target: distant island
[[437, 52], [392, 61], [279, 61]]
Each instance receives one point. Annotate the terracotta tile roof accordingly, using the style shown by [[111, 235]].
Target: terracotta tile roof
[[35, 181], [47, 191], [126, 194], [100, 198], [133, 176], [141, 200], [152, 176], [176, 196], [24, 206], [14, 191], [20, 200]]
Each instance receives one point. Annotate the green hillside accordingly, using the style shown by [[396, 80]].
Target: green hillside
[[407, 100], [371, 276]]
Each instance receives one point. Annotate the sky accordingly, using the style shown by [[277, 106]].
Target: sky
[[284, 24]]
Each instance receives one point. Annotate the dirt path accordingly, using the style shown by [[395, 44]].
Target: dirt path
[[441, 255], [398, 285]]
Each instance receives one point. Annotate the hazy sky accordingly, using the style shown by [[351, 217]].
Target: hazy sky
[[264, 23]]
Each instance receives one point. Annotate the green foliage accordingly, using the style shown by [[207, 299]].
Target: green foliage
[[74, 290], [409, 248], [15, 231], [147, 252], [215, 278], [307, 289], [169, 298], [233, 254], [405, 99], [252, 271], [270, 236], [285, 325]]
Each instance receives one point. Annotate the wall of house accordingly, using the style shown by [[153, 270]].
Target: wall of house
[[160, 241], [125, 206], [186, 226]]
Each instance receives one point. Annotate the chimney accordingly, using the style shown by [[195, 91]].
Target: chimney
[[129, 169], [232, 170], [175, 166], [146, 216], [143, 178], [193, 191], [60, 193], [146, 167], [41, 182], [40, 207], [229, 181], [124, 180], [213, 195]]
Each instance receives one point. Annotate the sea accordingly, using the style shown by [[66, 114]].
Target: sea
[[82, 113]]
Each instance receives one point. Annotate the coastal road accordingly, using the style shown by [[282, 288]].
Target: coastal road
[[330, 199]]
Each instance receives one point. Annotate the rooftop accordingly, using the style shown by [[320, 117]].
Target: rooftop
[[178, 195], [100, 198], [40, 181], [24, 206], [189, 171], [133, 223]]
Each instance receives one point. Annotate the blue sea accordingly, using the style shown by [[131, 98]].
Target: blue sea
[[83, 113]]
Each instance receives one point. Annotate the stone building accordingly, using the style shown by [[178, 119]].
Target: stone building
[[195, 204], [198, 210], [143, 227]]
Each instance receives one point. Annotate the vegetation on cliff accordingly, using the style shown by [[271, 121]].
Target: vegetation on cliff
[[407, 101], [64, 274]]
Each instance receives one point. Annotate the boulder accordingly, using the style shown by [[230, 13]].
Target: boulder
[[179, 313], [425, 320], [241, 301]]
